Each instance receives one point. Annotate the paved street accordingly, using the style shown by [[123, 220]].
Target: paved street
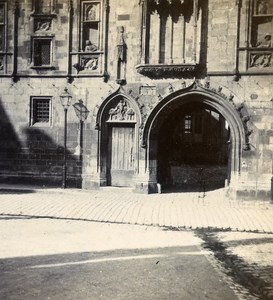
[[187, 210], [61, 259], [113, 244]]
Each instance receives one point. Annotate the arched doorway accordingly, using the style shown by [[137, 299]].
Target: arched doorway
[[117, 121], [174, 113], [193, 148]]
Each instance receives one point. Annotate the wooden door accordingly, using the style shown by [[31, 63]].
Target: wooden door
[[121, 155]]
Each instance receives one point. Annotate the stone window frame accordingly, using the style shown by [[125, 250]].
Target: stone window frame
[[34, 100], [252, 57], [42, 66], [169, 67], [188, 122], [85, 23], [90, 61]]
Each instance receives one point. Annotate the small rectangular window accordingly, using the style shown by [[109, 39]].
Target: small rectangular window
[[42, 51], [40, 111], [188, 124]]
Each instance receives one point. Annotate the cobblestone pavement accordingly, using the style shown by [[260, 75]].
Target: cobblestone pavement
[[187, 210], [246, 259], [239, 234]]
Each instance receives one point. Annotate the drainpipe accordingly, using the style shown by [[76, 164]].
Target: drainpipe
[[107, 10], [236, 67], [195, 14], [69, 41], [142, 19], [16, 15]]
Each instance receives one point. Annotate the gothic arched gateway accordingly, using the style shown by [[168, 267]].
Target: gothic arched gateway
[[173, 120]]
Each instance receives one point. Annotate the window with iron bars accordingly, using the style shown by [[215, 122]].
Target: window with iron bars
[[40, 111], [188, 124], [42, 51]]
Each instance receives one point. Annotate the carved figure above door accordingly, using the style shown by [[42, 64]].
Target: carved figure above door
[[122, 112]]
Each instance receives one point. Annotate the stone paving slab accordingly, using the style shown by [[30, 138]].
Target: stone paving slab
[[188, 210]]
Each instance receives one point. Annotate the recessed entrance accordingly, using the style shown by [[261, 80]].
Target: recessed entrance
[[193, 148], [121, 151]]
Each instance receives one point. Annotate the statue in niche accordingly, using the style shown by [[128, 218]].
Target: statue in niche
[[265, 42], [91, 12], [121, 56], [262, 59], [262, 7], [89, 47], [88, 62]]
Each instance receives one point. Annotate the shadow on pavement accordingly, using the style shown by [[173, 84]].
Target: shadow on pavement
[[256, 279], [156, 273], [17, 191]]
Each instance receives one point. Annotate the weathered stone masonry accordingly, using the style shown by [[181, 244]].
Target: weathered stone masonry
[[194, 77]]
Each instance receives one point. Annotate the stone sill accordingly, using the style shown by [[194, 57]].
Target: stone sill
[[43, 67]]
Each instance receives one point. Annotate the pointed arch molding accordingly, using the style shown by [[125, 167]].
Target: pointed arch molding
[[119, 107], [236, 115]]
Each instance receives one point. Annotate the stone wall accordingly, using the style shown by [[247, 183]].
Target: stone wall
[[29, 152]]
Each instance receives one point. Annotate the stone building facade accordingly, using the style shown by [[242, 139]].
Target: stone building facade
[[179, 94]]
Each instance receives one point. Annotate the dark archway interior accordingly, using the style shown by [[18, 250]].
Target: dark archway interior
[[192, 148]]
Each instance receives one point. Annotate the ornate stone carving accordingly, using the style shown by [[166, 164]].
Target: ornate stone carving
[[260, 59], [148, 90], [183, 84], [122, 112], [165, 71], [170, 88], [87, 62], [159, 97], [132, 94], [42, 24], [121, 55]]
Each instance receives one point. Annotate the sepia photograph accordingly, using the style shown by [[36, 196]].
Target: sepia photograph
[[136, 151]]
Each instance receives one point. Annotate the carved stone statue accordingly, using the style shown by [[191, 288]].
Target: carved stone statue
[[89, 47], [262, 7], [265, 42], [262, 59], [121, 112], [121, 56]]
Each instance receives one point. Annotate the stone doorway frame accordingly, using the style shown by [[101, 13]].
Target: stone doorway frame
[[228, 106], [103, 132]]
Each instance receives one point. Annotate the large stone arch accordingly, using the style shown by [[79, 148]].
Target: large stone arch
[[227, 105], [108, 113]]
